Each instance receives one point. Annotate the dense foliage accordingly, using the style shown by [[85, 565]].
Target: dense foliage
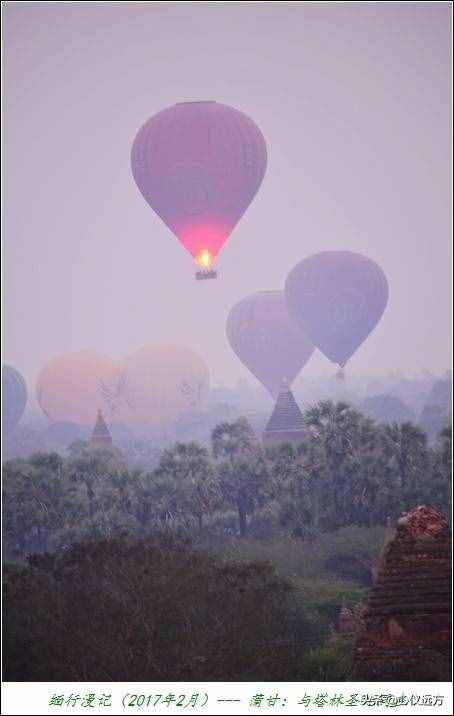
[[149, 610], [102, 583], [348, 471]]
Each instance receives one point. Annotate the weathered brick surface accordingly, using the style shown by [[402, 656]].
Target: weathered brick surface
[[405, 632]]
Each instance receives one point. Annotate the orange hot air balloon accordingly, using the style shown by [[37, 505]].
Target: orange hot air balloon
[[162, 381], [72, 387]]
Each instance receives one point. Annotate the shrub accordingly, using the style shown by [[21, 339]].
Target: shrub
[[123, 609], [331, 662]]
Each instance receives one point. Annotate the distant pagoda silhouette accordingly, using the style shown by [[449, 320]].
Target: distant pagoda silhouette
[[286, 424], [101, 434]]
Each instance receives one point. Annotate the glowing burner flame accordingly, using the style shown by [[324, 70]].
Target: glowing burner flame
[[204, 258]]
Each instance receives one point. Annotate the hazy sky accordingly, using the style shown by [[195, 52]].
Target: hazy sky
[[354, 102]]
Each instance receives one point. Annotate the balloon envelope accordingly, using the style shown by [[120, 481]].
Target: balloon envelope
[[267, 340], [14, 397], [337, 297], [160, 382], [72, 387], [199, 165]]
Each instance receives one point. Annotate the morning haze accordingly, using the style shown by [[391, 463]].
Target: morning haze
[[352, 99]]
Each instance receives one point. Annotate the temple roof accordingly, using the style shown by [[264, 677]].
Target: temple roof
[[286, 415], [101, 432], [423, 521]]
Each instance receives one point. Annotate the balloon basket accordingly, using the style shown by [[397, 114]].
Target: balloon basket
[[340, 375], [205, 274]]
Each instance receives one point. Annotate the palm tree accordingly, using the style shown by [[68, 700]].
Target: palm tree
[[33, 501], [332, 459], [406, 446], [187, 473], [90, 466], [242, 469], [441, 478]]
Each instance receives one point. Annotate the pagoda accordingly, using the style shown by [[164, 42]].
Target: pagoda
[[286, 424], [101, 435]]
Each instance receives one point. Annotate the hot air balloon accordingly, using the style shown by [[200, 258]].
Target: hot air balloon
[[14, 397], [199, 165], [162, 381], [267, 340], [337, 298], [72, 387]]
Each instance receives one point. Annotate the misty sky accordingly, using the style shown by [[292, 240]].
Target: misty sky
[[354, 102]]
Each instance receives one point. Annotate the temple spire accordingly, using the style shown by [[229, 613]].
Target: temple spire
[[101, 434], [286, 424]]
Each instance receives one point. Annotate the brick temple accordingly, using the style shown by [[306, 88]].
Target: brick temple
[[405, 631]]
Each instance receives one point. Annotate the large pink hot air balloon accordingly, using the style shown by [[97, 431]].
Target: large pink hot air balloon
[[337, 297], [267, 340], [160, 382], [199, 165]]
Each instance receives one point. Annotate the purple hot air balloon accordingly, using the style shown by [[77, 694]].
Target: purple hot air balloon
[[267, 340], [14, 397], [199, 165], [337, 298]]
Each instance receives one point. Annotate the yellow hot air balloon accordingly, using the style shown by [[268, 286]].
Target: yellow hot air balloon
[[74, 386], [160, 382]]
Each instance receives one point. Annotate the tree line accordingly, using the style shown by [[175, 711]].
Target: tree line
[[348, 470]]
